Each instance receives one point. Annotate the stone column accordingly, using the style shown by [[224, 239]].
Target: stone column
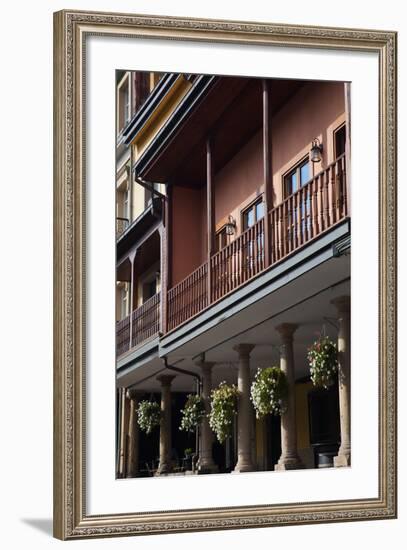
[[123, 426], [289, 459], [343, 306], [206, 463], [244, 415], [164, 466], [133, 436]]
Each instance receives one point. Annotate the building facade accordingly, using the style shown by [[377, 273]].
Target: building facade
[[233, 254]]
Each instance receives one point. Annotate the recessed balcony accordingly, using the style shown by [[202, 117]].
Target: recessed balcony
[[302, 217]]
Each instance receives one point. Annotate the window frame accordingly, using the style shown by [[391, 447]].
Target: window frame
[[252, 205], [296, 168], [218, 234], [334, 134], [125, 82], [124, 299]]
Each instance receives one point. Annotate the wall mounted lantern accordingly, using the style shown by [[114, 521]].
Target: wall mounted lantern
[[316, 150], [230, 226]]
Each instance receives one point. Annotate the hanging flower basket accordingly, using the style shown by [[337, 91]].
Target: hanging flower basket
[[223, 410], [323, 362], [148, 415], [192, 413], [269, 392]]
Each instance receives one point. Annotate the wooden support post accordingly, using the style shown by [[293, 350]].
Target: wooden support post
[[267, 169], [347, 86], [123, 426], [131, 292], [210, 205], [166, 261]]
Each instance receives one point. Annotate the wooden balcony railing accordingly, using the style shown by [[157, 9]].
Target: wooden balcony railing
[[302, 216], [146, 320], [312, 209], [188, 297], [143, 323], [123, 335], [237, 262]]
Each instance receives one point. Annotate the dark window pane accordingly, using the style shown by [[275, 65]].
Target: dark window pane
[[340, 141], [290, 183]]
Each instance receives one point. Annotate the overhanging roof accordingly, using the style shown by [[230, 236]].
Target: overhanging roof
[[138, 230], [228, 109]]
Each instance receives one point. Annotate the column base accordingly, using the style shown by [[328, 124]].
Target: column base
[[245, 467], [163, 470], [342, 460], [285, 464]]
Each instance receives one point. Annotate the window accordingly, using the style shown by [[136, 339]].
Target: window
[[124, 100], [126, 209], [221, 239], [253, 214], [124, 300], [253, 251], [297, 177], [340, 141]]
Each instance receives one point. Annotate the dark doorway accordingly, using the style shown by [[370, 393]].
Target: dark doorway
[[181, 440], [324, 424], [273, 440]]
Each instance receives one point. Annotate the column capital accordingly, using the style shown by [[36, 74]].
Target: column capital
[[205, 365], [286, 330], [244, 350], [132, 393], [342, 304], [165, 379]]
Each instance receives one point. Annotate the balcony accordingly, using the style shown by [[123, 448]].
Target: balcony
[[303, 216], [121, 225], [300, 218], [141, 325]]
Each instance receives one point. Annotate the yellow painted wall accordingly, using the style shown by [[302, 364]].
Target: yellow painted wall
[[138, 200], [301, 397], [160, 115], [302, 417], [153, 125]]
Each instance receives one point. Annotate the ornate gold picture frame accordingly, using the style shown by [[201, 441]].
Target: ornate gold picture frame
[[71, 517]]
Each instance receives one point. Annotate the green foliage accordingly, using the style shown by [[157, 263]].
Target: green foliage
[[323, 362], [269, 392], [223, 410], [192, 413], [148, 415]]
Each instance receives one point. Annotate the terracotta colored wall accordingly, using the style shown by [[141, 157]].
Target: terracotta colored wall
[[189, 231], [239, 181], [315, 111]]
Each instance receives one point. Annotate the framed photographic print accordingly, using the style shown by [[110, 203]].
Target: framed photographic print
[[222, 359]]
